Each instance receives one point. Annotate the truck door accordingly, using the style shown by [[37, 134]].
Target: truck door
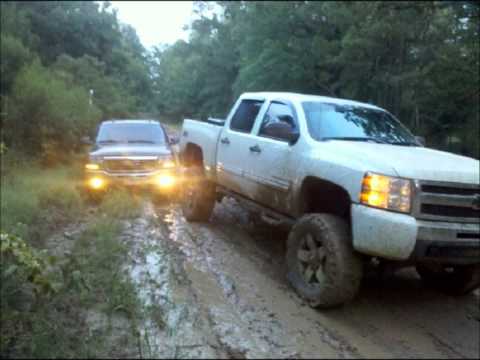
[[234, 146], [273, 164]]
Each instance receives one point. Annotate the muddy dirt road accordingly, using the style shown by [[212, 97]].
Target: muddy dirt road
[[219, 290]]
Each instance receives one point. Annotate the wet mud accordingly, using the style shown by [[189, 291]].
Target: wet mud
[[218, 289]]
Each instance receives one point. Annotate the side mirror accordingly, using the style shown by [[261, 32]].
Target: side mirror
[[420, 140], [86, 140], [282, 131], [173, 140]]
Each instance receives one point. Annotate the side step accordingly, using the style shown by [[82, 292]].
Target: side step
[[269, 216]]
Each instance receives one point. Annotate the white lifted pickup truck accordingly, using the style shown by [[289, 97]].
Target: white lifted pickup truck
[[352, 180]]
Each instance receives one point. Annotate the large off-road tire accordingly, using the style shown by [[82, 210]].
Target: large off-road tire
[[453, 280], [322, 265], [198, 197]]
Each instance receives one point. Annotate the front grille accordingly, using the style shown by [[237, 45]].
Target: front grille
[[447, 202], [130, 165], [449, 190], [453, 211]]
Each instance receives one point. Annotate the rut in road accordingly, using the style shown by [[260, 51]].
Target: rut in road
[[218, 289]]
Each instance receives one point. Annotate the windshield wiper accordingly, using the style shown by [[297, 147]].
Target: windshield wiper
[[141, 141], [107, 141], [406, 143], [354, 138]]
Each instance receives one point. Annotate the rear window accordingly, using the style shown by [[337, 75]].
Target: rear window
[[245, 116], [139, 133]]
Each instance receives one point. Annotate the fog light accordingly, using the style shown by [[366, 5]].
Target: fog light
[[96, 183], [165, 180], [92, 166]]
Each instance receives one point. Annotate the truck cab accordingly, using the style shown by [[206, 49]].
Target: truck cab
[[351, 179]]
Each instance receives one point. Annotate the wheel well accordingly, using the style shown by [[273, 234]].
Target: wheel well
[[322, 196], [192, 155]]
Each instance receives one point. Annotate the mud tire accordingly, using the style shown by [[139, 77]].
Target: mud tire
[[342, 269], [460, 280], [198, 195]]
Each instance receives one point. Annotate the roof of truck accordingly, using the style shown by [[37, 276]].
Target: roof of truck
[[306, 97], [131, 121]]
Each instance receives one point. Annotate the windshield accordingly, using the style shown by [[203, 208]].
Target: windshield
[[345, 122], [139, 133]]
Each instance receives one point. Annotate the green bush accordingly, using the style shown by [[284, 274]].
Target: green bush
[[24, 277], [48, 116]]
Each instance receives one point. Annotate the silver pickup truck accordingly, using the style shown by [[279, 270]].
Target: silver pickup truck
[[135, 153], [353, 182]]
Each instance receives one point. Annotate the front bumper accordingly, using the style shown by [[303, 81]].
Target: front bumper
[[398, 236], [163, 180]]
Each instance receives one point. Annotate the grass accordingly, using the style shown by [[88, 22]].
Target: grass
[[28, 190], [35, 203], [121, 204], [93, 282]]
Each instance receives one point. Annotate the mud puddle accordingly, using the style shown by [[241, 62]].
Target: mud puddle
[[227, 281]]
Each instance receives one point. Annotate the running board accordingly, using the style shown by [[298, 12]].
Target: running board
[[268, 215]]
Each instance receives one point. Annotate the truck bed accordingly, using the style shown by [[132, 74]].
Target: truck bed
[[204, 134]]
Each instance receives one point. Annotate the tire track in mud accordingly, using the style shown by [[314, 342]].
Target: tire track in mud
[[221, 291], [172, 325], [258, 331]]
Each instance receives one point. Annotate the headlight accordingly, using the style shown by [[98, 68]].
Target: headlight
[[92, 166], [96, 183], [386, 192], [167, 162], [165, 181]]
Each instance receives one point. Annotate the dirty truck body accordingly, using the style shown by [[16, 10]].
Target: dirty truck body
[[351, 179], [131, 153]]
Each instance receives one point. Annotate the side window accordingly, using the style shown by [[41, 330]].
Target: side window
[[245, 116], [277, 112]]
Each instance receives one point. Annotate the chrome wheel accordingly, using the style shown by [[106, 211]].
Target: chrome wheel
[[311, 258]]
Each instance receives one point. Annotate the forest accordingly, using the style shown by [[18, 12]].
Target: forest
[[419, 60]]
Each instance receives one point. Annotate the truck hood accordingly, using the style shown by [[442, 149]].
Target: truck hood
[[413, 162], [131, 150]]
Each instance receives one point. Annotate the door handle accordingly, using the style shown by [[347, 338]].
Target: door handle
[[225, 141], [255, 148], [185, 133]]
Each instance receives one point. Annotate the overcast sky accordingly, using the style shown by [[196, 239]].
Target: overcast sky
[[156, 21]]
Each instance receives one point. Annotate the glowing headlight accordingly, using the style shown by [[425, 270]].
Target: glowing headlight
[[96, 183], [165, 180], [167, 162], [386, 192], [92, 166]]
